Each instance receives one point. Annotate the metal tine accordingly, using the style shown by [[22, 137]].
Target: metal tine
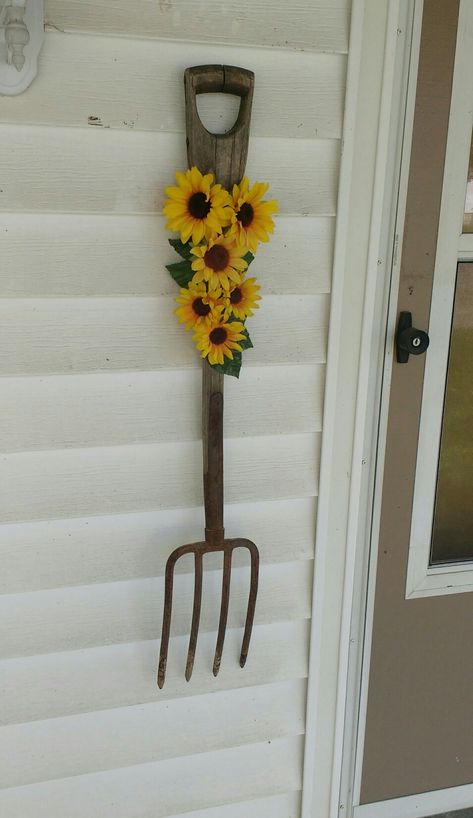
[[195, 615], [222, 624], [168, 583], [250, 614]]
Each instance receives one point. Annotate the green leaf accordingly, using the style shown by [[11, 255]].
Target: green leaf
[[246, 342], [249, 258], [231, 366], [184, 250], [181, 272]]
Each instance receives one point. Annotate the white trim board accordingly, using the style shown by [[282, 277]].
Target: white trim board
[[397, 49], [403, 85], [368, 187], [317, 775], [363, 626], [423, 580], [423, 805]]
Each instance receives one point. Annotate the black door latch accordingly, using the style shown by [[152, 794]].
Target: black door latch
[[409, 341]]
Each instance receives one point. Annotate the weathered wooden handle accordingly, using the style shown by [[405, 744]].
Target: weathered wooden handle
[[224, 155]]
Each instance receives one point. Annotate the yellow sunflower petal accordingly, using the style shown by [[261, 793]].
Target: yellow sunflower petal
[[186, 232], [174, 225], [244, 186], [198, 251], [268, 208], [198, 277], [214, 221], [198, 232], [195, 177], [177, 193], [183, 181], [259, 231], [172, 209], [233, 275], [207, 181], [220, 197], [257, 192], [239, 264]]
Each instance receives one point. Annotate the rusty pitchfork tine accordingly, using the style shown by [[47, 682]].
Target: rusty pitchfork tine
[[222, 623], [225, 156], [250, 614], [253, 592], [168, 583], [195, 614]]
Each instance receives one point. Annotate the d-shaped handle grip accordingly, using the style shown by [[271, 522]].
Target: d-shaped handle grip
[[223, 79], [409, 340], [222, 154]]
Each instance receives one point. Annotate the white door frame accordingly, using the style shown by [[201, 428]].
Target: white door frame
[[379, 57]]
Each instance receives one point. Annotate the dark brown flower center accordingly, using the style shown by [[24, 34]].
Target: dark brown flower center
[[217, 258], [198, 206], [218, 335], [245, 214], [199, 307], [236, 296]]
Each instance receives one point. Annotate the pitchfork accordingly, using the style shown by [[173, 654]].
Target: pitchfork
[[225, 156]]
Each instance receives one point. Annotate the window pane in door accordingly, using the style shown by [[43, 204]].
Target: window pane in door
[[452, 538], [468, 214]]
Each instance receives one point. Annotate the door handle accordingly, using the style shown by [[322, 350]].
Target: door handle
[[409, 340]]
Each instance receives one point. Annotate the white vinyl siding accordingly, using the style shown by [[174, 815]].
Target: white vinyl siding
[[100, 416], [310, 25]]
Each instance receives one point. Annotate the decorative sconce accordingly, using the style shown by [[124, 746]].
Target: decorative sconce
[[21, 38]]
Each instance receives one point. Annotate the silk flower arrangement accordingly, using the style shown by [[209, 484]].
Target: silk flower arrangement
[[219, 233]]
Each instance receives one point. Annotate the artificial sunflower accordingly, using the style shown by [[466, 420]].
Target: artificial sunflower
[[251, 220], [197, 207], [198, 305], [218, 341], [242, 299], [219, 261]]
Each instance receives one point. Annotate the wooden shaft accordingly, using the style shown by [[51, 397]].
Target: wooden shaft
[[212, 439]]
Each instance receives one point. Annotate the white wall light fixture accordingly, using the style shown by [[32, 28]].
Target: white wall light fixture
[[21, 38]]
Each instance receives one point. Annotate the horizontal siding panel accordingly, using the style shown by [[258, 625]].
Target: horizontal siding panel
[[137, 84], [102, 255], [41, 336], [277, 806], [57, 553], [223, 776], [103, 170], [147, 407], [87, 616], [83, 681], [93, 742], [303, 25], [82, 482]]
